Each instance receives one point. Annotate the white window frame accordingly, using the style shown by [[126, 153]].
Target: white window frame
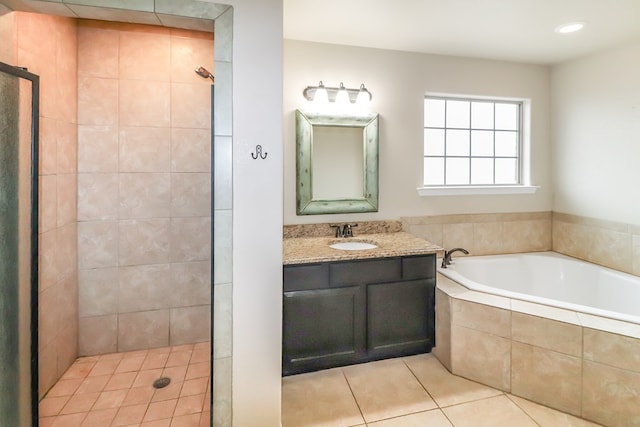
[[523, 187]]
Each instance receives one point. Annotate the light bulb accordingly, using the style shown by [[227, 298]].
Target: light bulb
[[342, 101], [321, 97]]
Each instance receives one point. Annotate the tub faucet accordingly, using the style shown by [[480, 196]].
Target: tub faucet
[[446, 260]]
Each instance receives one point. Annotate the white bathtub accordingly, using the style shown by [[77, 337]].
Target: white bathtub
[[551, 279]]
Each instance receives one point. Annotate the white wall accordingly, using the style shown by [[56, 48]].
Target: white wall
[[257, 212], [596, 151], [398, 81]]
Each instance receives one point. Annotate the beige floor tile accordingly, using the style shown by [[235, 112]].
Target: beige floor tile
[[319, 399], [547, 417], [100, 418], [387, 389], [444, 387], [433, 418], [496, 411]]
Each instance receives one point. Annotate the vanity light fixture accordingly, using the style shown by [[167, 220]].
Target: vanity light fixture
[[337, 95], [571, 27]]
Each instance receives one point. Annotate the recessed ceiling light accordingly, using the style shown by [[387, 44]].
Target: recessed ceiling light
[[571, 27]]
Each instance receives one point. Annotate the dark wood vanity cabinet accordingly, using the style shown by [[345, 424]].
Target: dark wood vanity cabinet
[[340, 313]]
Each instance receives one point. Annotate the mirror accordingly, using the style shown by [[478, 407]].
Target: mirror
[[337, 163]]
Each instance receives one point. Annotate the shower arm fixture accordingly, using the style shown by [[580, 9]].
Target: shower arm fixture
[[203, 72]]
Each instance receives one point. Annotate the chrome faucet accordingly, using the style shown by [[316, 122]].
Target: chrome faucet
[[446, 260], [344, 230]]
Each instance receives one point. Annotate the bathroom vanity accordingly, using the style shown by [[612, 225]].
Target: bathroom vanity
[[345, 307]]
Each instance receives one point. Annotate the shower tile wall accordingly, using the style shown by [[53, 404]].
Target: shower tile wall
[[144, 187], [46, 45]]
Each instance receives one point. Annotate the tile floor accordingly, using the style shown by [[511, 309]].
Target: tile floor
[[406, 392], [117, 390]]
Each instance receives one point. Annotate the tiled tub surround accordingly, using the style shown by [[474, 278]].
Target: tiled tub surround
[[578, 363], [485, 234], [144, 187], [612, 244]]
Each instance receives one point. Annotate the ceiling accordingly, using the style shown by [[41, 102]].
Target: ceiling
[[512, 30]]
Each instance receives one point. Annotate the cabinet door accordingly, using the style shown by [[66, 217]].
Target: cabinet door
[[322, 328], [400, 318]]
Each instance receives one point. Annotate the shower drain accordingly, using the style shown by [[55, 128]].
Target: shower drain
[[161, 382]]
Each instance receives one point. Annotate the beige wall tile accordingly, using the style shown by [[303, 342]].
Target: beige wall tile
[[190, 324], [144, 241], [481, 317], [97, 148], [190, 239], [488, 238], [67, 195], [550, 334], [527, 236], [97, 335], [67, 347], [98, 291], [547, 377], [97, 51], [147, 329], [145, 56], [191, 282], [611, 249], [145, 103], [47, 367], [458, 236], [67, 146], [430, 232], [97, 101], [67, 250], [186, 51], [184, 98], [144, 195], [97, 196], [48, 202], [481, 357], [47, 261], [97, 244], [612, 349], [145, 149], [48, 322], [48, 146], [144, 287], [572, 239], [191, 150], [190, 194], [610, 395]]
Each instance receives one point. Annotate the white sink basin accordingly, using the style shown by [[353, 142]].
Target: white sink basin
[[353, 246]]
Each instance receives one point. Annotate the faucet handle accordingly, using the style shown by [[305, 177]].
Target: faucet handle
[[339, 230], [348, 230]]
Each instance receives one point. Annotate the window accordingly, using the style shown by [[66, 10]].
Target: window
[[472, 142]]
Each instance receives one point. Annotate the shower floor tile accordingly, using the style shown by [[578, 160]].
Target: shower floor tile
[[117, 390]]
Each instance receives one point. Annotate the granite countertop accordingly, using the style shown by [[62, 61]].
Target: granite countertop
[[303, 250]]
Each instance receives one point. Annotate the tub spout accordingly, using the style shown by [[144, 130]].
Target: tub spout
[[446, 260]]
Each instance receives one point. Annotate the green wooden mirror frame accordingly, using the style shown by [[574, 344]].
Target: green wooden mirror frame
[[306, 204]]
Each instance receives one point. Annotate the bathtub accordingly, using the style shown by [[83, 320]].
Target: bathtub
[[546, 327], [551, 279]]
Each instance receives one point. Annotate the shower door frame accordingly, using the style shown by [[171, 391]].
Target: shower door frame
[[34, 174]]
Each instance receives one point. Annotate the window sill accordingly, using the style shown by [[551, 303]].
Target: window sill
[[476, 190]]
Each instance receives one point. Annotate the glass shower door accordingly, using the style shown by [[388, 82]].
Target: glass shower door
[[19, 93]]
